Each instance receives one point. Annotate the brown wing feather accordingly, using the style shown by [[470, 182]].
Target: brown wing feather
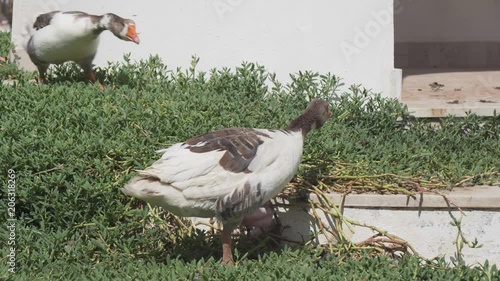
[[240, 144]]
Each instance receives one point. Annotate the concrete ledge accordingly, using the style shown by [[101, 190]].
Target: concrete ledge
[[477, 197]]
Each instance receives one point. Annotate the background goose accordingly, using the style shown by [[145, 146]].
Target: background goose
[[73, 36], [228, 174]]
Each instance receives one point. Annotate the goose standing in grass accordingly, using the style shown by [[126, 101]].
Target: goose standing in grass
[[59, 37], [228, 174]]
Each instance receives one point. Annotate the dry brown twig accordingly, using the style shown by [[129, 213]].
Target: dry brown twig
[[58, 167], [382, 240]]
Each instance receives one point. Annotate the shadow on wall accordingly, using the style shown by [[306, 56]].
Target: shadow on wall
[[439, 55], [299, 225]]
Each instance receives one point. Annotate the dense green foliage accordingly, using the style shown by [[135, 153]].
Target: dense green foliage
[[4, 44], [6, 70], [288, 264], [72, 147]]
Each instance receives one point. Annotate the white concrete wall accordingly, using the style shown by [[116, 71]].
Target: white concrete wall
[[352, 39], [447, 20], [428, 231]]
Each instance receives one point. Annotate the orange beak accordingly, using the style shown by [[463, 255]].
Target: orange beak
[[132, 35]]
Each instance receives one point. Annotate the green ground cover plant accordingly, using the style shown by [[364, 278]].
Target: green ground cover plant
[[73, 147], [5, 46]]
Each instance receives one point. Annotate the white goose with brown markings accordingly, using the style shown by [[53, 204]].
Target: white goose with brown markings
[[58, 37], [228, 174]]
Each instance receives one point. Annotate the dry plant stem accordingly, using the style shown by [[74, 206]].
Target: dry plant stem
[[323, 229], [146, 133], [342, 200], [422, 190], [180, 222], [59, 167], [213, 227], [330, 205], [382, 236], [363, 177], [379, 241], [393, 238], [475, 176], [448, 201], [340, 177]]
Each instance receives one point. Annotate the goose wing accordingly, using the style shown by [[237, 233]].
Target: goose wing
[[209, 165]]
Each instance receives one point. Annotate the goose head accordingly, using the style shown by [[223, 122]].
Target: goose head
[[314, 117], [120, 27], [319, 112]]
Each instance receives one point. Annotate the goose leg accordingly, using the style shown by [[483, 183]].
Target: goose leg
[[227, 253], [89, 72], [41, 72]]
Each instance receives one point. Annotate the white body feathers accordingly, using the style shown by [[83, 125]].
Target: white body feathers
[[66, 38], [190, 183]]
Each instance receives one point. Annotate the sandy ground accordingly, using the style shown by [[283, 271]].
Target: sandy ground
[[443, 91]]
